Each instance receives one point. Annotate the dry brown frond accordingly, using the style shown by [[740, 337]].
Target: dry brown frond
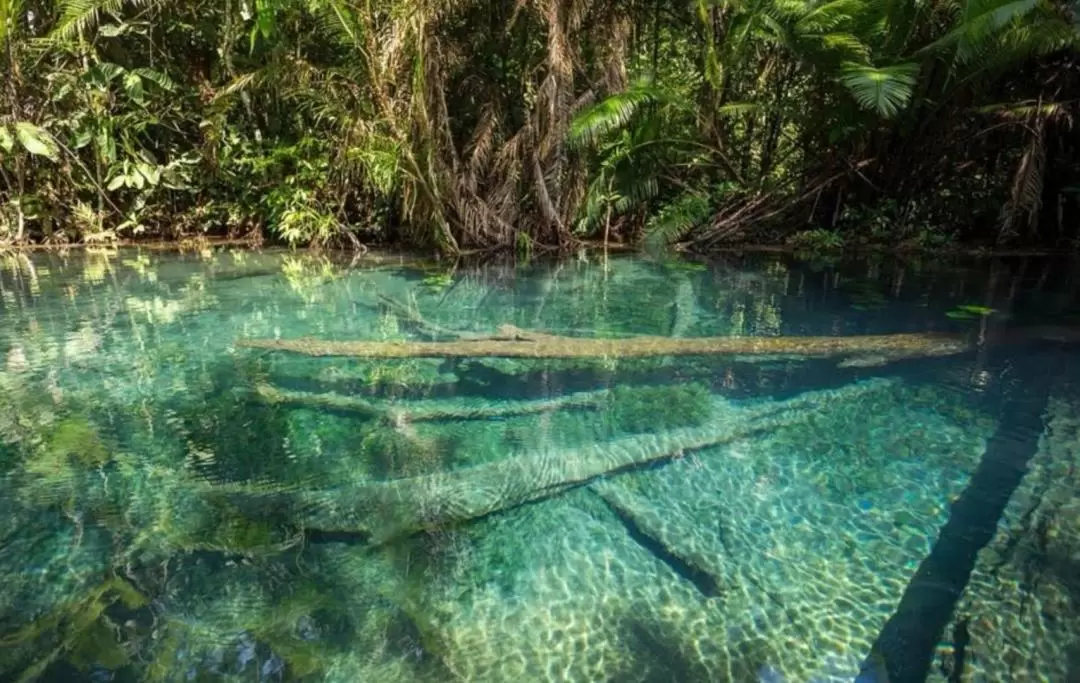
[[1025, 195]]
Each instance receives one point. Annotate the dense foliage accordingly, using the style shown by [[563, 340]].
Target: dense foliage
[[533, 124]]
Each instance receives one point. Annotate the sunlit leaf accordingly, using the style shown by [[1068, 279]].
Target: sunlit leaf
[[885, 90], [104, 72], [133, 87], [151, 173], [82, 138], [976, 310], [158, 78], [35, 140]]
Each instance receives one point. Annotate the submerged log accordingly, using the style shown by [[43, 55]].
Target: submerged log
[[430, 410], [388, 510], [512, 342]]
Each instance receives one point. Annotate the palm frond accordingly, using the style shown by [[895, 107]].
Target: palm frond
[[847, 45], [612, 113], [240, 83], [979, 21], [677, 218], [739, 108], [885, 90], [635, 191], [828, 16], [79, 16], [338, 21], [1025, 196], [1027, 110], [9, 13]]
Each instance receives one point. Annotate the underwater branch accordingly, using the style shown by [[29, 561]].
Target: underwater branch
[[388, 510]]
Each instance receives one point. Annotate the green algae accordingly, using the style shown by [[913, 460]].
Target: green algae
[[654, 409]]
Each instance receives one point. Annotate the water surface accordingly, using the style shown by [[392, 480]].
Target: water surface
[[175, 506]]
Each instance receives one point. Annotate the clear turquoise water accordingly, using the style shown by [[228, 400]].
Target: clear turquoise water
[[177, 507]]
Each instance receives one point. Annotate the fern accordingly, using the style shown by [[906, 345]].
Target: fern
[[884, 90], [612, 113], [677, 218]]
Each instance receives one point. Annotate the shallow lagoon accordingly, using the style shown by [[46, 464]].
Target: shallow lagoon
[[176, 506]]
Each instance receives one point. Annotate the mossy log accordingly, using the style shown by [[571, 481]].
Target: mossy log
[[512, 342], [431, 410], [388, 510]]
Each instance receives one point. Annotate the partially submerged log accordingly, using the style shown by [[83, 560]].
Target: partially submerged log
[[512, 342], [431, 410], [387, 510]]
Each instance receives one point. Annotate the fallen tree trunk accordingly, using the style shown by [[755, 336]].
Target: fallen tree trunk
[[389, 510], [431, 410], [512, 342]]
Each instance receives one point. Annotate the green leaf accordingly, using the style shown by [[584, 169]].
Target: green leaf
[[112, 30], [102, 73], [82, 138], [959, 315], [133, 87], [7, 143], [106, 145], [116, 183], [156, 77], [151, 173], [976, 310], [884, 90], [35, 140]]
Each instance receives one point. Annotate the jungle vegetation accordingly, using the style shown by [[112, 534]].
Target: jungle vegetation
[[536, 124]]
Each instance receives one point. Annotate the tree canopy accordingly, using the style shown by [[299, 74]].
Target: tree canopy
[[535, 124]]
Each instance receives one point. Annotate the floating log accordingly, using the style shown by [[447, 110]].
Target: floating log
[[388, 510], [431, 410], [511, 342]]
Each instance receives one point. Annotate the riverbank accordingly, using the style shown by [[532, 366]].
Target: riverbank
[[259, 241]]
